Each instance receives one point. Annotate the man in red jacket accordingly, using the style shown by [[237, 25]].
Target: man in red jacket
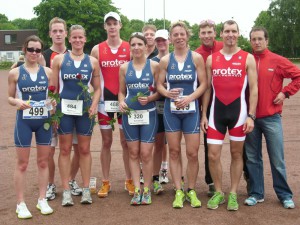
[[272, 70], [207, 34]]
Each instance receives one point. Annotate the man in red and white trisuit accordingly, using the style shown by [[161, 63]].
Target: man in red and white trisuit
[[229, 72], [111, 54]]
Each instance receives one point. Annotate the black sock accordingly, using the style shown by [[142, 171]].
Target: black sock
[[156, 178], [188, 190], [182, 178]]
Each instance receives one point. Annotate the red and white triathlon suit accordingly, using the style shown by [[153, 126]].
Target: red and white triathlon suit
[[110, 61], [229, 108]]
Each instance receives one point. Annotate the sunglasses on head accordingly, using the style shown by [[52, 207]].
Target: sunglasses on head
[[137, 33], [37, 50], [209, 22]]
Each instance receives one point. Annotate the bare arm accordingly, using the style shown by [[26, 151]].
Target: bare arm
[[95, 52], [122, 87], [206, 96], [12, 82], [55, 72], [96, 86], [253, 89]]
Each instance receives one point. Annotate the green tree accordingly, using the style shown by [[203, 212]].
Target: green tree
[[88, 13], [25, 24], [5, 24]]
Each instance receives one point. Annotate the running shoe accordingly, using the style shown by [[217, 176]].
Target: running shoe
[[105, 188], [129, 186], [163, 176], [182, 186], [191, 197], [43, 206], [211, 190], [179, 199], [67, 198], [22, 211], [232, 204], [86, 196], [157, 187], [216, 200], [51, 192], [136, 199], [75, 189], [288, 204], [251, 201], [146, 197]]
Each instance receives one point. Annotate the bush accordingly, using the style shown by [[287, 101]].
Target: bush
[[5, 65]]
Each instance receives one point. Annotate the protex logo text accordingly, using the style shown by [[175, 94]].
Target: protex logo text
[[227, 72], [113, 63], [73, 76], [34, 89], [181, 77], [138, 85]]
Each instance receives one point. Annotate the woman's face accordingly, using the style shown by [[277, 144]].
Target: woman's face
[[33, 51], [77, 39], [137, 47], [179, 37]]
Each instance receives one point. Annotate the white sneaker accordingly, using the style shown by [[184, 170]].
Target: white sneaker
[[86, 196], [163, 176], [43, 206], [75, 189], [67, 198], [22, 211], [51, 192]]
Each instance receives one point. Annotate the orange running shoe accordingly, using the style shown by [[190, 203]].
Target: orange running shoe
[[105, 188], [129, 186]]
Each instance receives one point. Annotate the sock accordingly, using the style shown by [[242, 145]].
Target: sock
[[164, 165], [188, 190]]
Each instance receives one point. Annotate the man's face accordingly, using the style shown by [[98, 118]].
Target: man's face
[[112, 26], [58, 33], [230, 35], [258, 41], [149, 35], [207, 36]]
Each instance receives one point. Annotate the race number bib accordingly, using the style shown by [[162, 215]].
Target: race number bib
[[72, 107], [111, 106], [139, 117], [190, 108], [160, 107], [38, 111]]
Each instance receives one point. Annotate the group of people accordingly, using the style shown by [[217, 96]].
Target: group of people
[[157, 97]]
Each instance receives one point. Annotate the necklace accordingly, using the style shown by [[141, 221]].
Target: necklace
[[77, 55]]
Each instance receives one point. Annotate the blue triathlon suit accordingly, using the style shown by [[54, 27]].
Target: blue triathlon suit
[[160, 107], [135, 84], [186, 78], [36, 87], [69, 89]]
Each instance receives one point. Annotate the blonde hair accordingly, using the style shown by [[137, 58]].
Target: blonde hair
[[57, 20], [77, 27], [149, 27], [180, 24]]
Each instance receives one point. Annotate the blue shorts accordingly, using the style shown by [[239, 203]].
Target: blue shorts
[[83, 125], [24, 129], [142, 133], [188, 123]]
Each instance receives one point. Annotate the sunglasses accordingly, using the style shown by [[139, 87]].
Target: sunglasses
[[37, 50], [137, 33], [209, 22]]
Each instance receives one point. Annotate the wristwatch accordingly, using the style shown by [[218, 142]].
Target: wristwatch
[[253, 117]]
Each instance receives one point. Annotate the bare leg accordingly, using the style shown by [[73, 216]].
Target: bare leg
[[236, 167], [85, 158], [105, 155], [43, 170], [134, 161], [215, 166], [147, 160], [125, 155]]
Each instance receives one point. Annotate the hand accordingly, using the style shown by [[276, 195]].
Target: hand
[[183, 102], [143, 100], [21, 105], [279, 98], [248, 125], [123, 106], [204, 124], [93, 110], [173, 93]]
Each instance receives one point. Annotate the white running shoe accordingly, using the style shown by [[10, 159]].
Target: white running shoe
[[67, 198], [163, 176], [43, 206], [86, 196], [75, 189], [51, 192], [22, 211]]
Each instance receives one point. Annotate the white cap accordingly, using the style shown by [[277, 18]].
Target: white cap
[[113, 15], [162, 34]]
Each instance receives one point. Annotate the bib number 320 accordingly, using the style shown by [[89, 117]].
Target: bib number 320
[[139, 117]]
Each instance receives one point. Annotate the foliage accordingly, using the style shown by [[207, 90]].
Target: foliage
[[4, 65], [25, 24], [282, 21], [88, 13]]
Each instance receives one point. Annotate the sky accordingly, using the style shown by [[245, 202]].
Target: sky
[[244, 12]]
